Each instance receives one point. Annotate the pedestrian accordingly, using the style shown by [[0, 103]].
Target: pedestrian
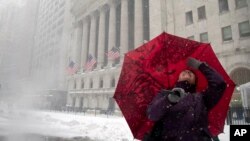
[[181, 114]]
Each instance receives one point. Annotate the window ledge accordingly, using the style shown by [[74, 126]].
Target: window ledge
[[244, 38], [237, 8], [228, 42], [189, 24], [107, 67], [223, 12], [206, 42], [200, 20]]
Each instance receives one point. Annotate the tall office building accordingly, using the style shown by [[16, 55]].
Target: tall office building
[[126, 24], [17, 25], [51, 42]]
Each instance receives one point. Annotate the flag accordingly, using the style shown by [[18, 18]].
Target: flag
[[113, 53], [91, 61], [72, 67]]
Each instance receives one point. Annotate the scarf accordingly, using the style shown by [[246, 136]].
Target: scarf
[[188, 88]]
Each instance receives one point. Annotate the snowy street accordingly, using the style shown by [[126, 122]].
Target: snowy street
[[44, 126], [65, 125]]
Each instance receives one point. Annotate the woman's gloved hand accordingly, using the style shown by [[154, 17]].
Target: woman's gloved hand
[[176, 94], [193, 63]]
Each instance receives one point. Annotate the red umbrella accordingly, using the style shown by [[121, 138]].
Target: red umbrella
[[157, 65]]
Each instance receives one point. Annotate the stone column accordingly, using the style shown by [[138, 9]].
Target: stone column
[[160, 19], [78, 47], [72, 43], [112, 27], [85, 38], [92, 40], [124, 29], [101, 38], [138, 23]]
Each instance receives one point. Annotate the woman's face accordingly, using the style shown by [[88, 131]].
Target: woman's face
[[187, 75]]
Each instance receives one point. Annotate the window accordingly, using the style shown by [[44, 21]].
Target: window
[[223, 6], [101, 83], [204, 37], [81, 102], [191, 37], [226, 33], [91, 84], [241, 75], [240, 3], [74, 85], [73, 101], [201, 13], [189, 18], [244, 29], [82, 84], [113, 83]]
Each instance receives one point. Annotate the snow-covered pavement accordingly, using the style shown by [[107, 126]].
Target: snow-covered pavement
[[70, 125]]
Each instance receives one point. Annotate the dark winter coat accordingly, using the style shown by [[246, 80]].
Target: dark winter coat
[[187, 120]]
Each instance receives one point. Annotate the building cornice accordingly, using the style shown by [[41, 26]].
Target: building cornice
[[82, 8], [233, 52], [93, 91]]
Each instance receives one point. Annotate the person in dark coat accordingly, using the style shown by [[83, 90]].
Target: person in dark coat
[[181, 114]]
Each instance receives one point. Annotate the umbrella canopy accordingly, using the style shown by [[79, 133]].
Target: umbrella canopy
[[157, 64]]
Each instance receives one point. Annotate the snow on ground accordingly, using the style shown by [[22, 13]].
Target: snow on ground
[[225, 136], [68, 125]]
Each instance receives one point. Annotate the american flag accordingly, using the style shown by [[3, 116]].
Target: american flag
[[113, 53], [72, 67], [91, 61]]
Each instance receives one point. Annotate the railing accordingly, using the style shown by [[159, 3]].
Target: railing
[[95, 111], [235, 116], [238, 116], [93, 91]]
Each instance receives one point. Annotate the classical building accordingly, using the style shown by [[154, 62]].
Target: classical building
[[126, 24]]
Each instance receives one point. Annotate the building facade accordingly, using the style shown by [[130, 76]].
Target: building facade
[[51, 39], [101, 25], [223, 23]]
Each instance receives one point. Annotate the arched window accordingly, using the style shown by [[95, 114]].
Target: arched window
[[240, 76]]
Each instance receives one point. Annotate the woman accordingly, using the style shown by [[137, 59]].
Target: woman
[[181, 114]]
